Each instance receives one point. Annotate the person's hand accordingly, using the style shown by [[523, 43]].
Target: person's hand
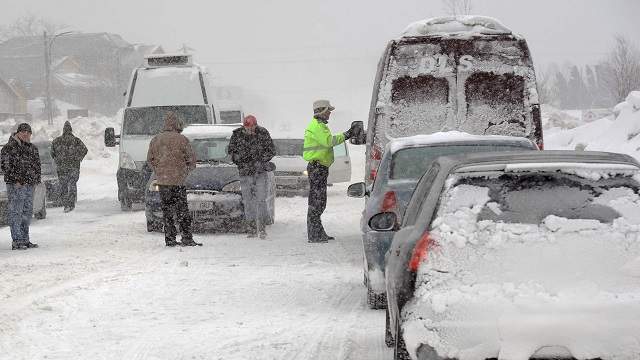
[[348, 134]]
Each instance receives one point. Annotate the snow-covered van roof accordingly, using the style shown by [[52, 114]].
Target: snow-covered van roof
[[451, 137], [459, 26], [199, 131]]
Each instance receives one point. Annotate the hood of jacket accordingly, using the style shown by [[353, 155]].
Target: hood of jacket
[[172, 123], [66, 129]]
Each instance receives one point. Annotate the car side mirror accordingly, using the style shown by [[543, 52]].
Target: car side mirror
[[110, 137], [357, 190], [385, 221]]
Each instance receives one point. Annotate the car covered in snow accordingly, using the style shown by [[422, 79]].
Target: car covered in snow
[[517, 255], [465, 73], [405, 160], [291, 168], [213, 188]]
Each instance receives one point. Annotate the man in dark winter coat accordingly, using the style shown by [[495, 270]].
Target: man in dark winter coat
[[68, 151], [172, 158], [251, 149], [20, 163]]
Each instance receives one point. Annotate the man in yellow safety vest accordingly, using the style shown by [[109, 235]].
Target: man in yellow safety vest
[[318, 152]]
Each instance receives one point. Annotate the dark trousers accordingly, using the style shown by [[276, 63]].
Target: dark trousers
[[174, 205], [68, 181], [317, 199]]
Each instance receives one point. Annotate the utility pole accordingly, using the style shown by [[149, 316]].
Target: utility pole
[[47, 72]]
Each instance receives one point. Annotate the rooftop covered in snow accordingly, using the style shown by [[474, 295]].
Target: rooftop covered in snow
[[458, 26]]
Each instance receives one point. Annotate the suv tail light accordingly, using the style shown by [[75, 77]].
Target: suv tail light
[[376, 153], [540, 145], [389, 202], [373, 174], [421, 251]]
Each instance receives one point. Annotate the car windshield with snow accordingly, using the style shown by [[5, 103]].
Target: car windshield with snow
[[470, 74], [213, 189], [404, 162], [496, 243]]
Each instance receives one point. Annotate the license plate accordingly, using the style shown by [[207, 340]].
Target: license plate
[[200, 205]]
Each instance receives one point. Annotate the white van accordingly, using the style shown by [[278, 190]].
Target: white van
[[465, 73], [168, 82]]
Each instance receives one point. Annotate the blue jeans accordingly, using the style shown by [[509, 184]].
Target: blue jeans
[[20, 211]]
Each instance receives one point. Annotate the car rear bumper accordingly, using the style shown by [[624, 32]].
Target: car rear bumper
[[376, 244], [220, 207]]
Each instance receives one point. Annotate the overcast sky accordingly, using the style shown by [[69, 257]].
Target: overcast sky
[[329, 47]]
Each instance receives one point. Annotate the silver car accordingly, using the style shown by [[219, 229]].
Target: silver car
[[403, 163], [536, 227]]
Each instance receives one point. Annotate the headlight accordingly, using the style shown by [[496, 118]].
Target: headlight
[[233, 186], [154, 186], [305, 173], [126, 161]]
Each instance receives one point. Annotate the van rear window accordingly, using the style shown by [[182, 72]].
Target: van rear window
[[495, 105], [420, 105]]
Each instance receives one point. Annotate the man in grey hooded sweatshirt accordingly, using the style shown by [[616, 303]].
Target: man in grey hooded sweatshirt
[[68, 151]]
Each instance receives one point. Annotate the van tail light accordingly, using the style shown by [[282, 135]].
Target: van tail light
[[376, 153], [373, 174], [540, 145], [389, 202], [420, 251]]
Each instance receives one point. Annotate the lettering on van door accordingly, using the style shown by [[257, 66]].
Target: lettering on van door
[[439, 64]]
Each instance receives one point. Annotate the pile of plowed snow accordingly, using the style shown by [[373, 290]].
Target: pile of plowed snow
[[90, 130], [620, 135]]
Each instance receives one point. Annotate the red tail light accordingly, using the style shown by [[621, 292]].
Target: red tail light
[[389, 202], [373, 174], [420, 252], [541, 145], [376, 154]]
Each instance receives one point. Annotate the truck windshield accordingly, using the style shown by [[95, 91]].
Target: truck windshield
[[150, 120]]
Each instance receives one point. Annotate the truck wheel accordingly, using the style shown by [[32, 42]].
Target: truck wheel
[[126, 203]]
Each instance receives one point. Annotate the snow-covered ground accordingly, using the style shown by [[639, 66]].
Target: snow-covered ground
[[101, 287]]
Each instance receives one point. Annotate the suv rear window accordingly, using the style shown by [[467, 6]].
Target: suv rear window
[[411, 163]]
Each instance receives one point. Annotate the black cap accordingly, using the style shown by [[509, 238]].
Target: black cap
[[24, 127]]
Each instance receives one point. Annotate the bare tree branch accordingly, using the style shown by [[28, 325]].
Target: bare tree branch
[[29, 25], [621, 70], [457, 7]]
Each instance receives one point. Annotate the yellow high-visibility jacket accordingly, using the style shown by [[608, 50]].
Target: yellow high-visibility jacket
[[319, 143]]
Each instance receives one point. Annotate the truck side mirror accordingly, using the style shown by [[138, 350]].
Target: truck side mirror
[[110, 137], [360, 135]]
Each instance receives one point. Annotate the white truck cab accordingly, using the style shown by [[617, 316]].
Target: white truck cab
[[167, 82]]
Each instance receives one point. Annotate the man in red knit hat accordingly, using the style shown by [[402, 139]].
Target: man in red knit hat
[[251, 149]]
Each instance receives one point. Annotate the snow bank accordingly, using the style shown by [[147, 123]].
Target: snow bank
[[495, 289], [468, 26], [619, 135], [89, 130]]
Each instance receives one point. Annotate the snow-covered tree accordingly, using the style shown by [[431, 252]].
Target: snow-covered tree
[[28, 25], [457, 7], [621, 70]]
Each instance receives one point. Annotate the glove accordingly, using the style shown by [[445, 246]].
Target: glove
[[348, 134]]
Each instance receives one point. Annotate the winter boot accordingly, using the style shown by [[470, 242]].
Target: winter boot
[[31, 245], [262, 233], [321, 240], [190, 242], [171, 243], [18, 246]]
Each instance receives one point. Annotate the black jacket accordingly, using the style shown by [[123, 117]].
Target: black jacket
[[252, 153], [67, 150], [20, 162]]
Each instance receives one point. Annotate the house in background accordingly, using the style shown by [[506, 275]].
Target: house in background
[[13, 103], [90, 70]]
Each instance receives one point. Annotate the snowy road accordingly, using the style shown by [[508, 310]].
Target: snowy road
[[101, 287]]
